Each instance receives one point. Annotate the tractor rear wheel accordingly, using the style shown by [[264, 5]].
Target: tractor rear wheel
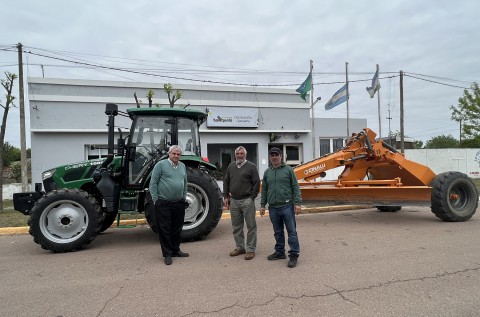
[[454, 197], [205, 206], [65, 220]]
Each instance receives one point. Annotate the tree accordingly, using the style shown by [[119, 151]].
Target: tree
[[150, 94], [442, 142], [172, 97], [10, 154], [468, 112], [7, 83], [473, 143], [417, 144]]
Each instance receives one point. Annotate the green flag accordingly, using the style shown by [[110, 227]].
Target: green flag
[[305, 87]]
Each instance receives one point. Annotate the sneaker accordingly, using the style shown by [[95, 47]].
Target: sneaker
[[168, 260], [180, 254], [276, 256], [237, 252], [249, 255], [292, 262]]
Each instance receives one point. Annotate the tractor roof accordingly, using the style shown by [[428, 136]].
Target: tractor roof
[[164, 111]]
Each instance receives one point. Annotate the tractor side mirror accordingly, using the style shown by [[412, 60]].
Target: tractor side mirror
[[111, 109], [120, 146], [131, 152]]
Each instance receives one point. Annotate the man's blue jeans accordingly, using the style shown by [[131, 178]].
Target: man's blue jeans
[[280, 216]]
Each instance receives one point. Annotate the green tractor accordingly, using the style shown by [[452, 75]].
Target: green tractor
[[83, 199]]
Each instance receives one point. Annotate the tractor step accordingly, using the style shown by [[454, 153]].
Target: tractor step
[[119, 221]]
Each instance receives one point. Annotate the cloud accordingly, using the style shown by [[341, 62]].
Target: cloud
[[277, 39]]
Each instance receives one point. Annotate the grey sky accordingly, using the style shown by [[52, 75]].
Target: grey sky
[[277, 39]]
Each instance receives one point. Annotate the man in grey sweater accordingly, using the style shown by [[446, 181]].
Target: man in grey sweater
[[241, 185], [168, 188]]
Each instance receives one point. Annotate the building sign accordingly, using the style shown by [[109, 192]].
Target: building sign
[[230, 117]]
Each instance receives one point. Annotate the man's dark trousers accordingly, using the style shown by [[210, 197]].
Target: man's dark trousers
[[169, 216]]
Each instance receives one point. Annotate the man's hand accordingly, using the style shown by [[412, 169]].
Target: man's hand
[[262, 212], [226, 202], [298, 209]]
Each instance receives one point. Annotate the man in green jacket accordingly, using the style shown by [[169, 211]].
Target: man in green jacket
[[168, 188], [281, 191]]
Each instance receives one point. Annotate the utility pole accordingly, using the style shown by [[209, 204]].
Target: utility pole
[[402, 132], [378, 105], [460, 132], [312, 113], [348, 97], [314, 141], [23, 147], [389, 129]]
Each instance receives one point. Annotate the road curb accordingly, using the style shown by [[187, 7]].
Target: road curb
[[225, 215]]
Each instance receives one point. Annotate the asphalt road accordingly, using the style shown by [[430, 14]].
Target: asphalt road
[[352, 263]]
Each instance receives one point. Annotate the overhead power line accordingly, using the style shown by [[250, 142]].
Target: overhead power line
[[435, 82], [81, 60]]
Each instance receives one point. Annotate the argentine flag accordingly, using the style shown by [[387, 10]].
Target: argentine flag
[[339, 97]]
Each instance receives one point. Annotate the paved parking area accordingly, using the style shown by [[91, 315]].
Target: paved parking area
[[352, 263]]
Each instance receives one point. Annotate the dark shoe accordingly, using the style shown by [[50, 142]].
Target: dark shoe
[[249, 255], [168, 260], [292, 262], [276, 256], [180, 254], [237, 252]]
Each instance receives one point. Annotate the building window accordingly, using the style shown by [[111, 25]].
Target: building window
[[330, 145], [96, 151], [324, 146], [293, 155], [337, 144]]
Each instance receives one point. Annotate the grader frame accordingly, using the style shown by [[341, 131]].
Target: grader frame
[[375, 173]]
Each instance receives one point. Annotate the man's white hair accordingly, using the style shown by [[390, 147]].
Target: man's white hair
[[241, 148], [175, 147]]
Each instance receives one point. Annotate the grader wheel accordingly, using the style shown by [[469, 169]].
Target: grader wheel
[[388, 208], [454, 197]]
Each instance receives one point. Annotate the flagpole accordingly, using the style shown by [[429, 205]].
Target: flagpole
[[378, 102], [348, 116], [311, 112]]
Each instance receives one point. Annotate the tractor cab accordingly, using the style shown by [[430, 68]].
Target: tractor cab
[[153, 131]]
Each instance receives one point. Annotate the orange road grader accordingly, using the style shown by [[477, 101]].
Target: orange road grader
[[374, 173]]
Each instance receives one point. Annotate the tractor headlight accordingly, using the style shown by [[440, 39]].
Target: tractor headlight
[[47, 174]]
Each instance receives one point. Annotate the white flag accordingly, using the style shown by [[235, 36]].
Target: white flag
[[375, 85]]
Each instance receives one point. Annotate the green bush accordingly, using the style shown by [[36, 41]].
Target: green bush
[[10, 154], [16, 171]]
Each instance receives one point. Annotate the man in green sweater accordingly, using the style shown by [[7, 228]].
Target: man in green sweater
[[281, 191], [241, 184], [168, 188]]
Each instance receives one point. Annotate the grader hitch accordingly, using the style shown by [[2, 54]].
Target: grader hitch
[[374, 173]]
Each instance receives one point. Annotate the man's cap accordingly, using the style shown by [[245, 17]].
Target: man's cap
[[275, 150]]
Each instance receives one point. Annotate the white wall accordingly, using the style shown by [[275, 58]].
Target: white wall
[[466, 161]]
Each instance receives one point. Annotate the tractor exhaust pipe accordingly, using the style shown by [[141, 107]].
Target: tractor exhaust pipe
[[111, 110], [109, 189]]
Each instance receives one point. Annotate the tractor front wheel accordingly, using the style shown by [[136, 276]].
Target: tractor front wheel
[[454, 197], [65, 220]]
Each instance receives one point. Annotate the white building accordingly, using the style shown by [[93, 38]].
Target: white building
[[68, 123]]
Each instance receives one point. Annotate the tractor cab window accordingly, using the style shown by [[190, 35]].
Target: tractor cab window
[[188, 136], [150, 137]]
